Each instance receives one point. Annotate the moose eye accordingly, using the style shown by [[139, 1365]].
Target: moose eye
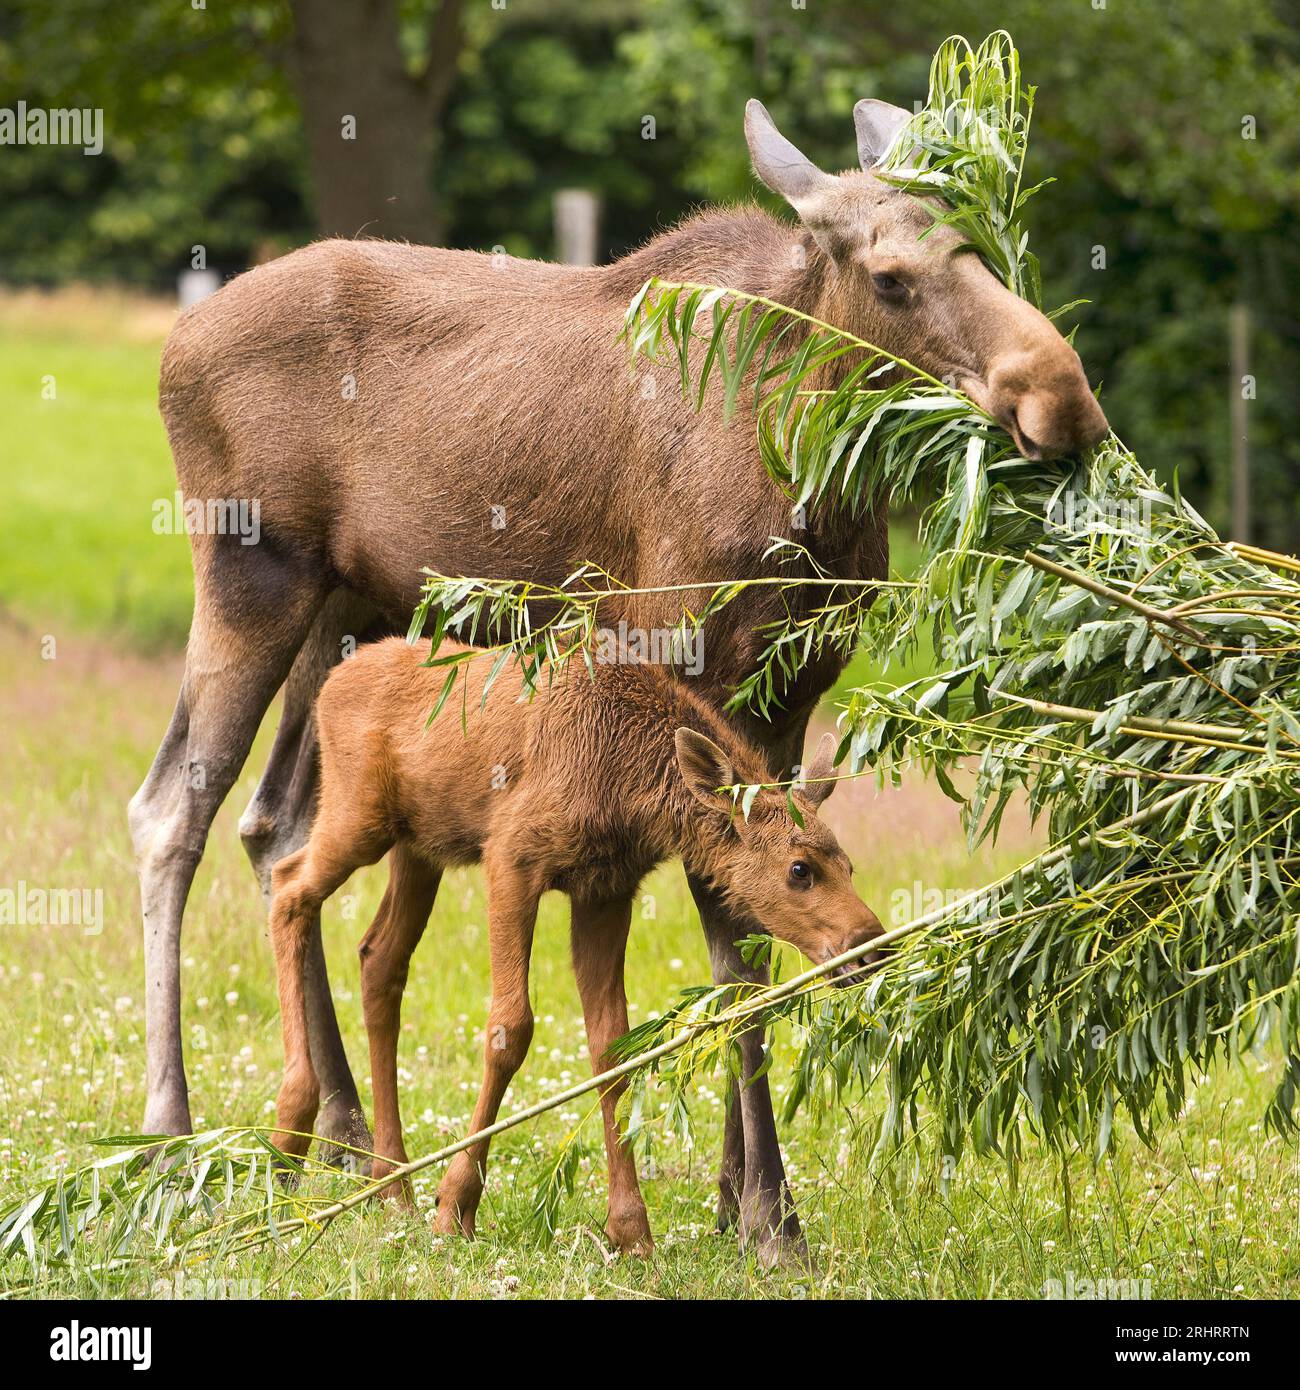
[[888, 286], [800, 874]]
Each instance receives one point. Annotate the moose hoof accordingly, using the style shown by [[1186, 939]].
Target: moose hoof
[[785, 1254], [344, 1138], [728, 1206], [169, 1115], [770, 1230]]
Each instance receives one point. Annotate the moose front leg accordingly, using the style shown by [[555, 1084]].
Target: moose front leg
[[768, 1221]]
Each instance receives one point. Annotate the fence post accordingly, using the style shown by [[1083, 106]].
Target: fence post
[[1239, 347], [577, 216]]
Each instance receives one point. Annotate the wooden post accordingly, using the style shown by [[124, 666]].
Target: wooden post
[[193, 285], [1239, 341], [577, 217]]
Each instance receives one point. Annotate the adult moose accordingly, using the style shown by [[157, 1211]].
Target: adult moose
[[393, 406]]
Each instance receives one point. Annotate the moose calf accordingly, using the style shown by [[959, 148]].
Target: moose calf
[[584, 789]]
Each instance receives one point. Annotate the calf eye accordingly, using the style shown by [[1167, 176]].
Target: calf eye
[[888, 287], [800, 874]]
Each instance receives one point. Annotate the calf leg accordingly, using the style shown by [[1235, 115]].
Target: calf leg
[[386, 951], [599, 941], [277, 822], [768, 1221], [512, 913], [300, 884]]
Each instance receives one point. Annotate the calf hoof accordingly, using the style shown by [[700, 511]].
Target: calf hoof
[[629, 1233], [344, 1137], [458, 1198], [400, 1190], [452, 1220], [291, 1144]]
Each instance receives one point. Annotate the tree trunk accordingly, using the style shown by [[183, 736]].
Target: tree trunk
[[372, 127]]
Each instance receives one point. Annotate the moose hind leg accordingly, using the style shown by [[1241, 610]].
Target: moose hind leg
[[237, 657], [277, 823]]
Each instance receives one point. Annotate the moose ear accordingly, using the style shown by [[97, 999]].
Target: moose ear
[[819, 775], [776, 161], [704, 768], [877, 123]]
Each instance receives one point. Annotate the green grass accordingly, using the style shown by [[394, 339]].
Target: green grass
[[1213, 1211], [83, 471]]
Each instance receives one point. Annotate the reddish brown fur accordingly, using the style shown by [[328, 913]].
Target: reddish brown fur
[[583, 789]]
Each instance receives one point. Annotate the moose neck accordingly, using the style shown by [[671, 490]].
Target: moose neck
[[816, 286], [747, 249], [845, 541], [744, 249]]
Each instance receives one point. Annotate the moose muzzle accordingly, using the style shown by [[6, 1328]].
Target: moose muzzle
[[1041, 396]]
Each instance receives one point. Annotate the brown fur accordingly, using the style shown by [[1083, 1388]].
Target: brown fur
[[458, 361], [583, 789]]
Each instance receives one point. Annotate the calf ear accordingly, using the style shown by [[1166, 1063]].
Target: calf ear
[[819, 775], [877, 123], [776, 161], [704, 768]]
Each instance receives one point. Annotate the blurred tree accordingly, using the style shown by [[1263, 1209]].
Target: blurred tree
[[225, 125], [372, 111], [203, 146], [1173, 133]]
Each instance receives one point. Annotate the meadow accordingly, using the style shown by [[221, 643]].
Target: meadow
[[93, 609]]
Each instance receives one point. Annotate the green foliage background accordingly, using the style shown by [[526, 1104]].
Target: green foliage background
[[1139, 117]]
